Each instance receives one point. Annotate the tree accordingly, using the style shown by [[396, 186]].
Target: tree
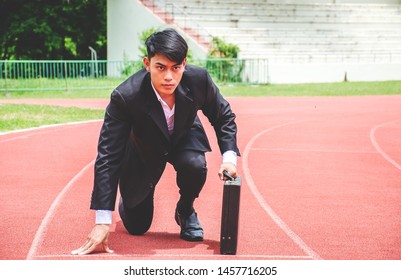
[[224, 66], [44, 29], [221, 49]]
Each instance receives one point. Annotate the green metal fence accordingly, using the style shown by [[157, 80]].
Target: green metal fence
[[28, 75], [57, 75]]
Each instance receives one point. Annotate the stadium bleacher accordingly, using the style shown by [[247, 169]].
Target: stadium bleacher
[[315, 32]]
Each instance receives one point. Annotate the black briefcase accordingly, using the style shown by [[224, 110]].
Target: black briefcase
[[230, 216]]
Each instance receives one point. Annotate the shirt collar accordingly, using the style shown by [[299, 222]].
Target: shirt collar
[[161, 99], [157, 94]]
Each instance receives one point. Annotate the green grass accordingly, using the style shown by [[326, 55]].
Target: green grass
[[54, 94], [24, 116], [318, 89], [47, 86], [20, 116]]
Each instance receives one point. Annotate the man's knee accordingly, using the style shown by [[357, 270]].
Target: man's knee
[[138, 220], [191, 162], [137, 229]]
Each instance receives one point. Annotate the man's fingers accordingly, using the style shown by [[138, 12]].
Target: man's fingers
[[89, 249], [76, 251], [230, 168], [80, 249], [90, 246], [106, 245], [107, 249]]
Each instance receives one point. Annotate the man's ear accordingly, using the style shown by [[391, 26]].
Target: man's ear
[[184, 62], [146, 62]]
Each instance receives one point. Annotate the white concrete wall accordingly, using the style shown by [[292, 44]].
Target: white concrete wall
[[373, 72], [290, 73], [126, 19]]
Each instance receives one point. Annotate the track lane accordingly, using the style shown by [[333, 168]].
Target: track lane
[[36, 166], [324, 218]]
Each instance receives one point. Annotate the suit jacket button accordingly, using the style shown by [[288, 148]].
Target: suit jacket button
[[151, 185]]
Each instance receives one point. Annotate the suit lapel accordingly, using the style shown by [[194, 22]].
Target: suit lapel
[[155, 111], [183, 108]]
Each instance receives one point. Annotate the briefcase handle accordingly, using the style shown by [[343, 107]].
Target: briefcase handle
[[228, 176]]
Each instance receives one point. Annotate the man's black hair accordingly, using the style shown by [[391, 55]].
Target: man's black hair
[[168, 43]]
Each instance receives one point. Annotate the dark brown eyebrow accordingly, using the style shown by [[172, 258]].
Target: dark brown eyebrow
[[161, 64]]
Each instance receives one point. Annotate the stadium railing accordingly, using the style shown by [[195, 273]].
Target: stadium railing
[[28, 75]]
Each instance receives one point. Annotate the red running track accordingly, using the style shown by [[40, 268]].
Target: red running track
[[321, 180]]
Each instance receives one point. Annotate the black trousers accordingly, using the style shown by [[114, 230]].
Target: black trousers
[[191, 170]]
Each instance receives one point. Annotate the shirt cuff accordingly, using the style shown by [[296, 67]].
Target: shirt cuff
[[104, 217], [231, 157]]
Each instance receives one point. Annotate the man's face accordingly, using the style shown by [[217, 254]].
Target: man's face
[[165, 74]]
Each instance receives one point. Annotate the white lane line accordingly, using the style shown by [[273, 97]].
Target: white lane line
[[314, 151], [186, 256], [251, 184], [377, 146], [38, 130], [40, 233]]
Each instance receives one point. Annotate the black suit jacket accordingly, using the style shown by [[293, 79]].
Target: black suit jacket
[[135, 125]]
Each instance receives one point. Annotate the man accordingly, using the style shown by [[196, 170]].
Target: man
[[151, 120]]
